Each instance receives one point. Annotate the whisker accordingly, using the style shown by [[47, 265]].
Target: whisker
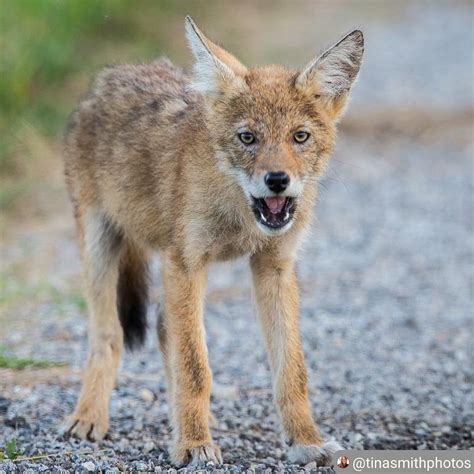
[[346, 163]]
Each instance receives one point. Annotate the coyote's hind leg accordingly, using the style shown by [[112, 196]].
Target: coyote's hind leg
[[101, 248]]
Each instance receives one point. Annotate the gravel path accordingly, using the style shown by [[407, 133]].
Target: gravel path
[[386, 310]]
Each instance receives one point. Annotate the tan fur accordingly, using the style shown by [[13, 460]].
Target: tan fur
[[90, 418], [277, 297], [154, 162]]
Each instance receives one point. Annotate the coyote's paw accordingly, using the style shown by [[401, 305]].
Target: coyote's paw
[[205, 454], [198, 456], [79, 427], [306, 453]]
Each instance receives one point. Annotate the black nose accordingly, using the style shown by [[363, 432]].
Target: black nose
[[277, 181]]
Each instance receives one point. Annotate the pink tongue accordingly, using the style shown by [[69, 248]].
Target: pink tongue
[[275, 204]]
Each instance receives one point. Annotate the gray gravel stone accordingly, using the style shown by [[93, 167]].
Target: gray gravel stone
[[386, 297], [89, 466]]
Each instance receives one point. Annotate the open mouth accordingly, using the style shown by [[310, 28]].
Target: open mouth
[[274, 212]]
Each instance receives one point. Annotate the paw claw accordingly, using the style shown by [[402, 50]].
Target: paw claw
[[197, 457], [83, 429], [204, 454]]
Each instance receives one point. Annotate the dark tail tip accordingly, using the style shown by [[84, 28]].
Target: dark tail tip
[[132, 298]]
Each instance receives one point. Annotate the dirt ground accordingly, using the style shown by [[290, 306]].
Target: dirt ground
[[386, 289]]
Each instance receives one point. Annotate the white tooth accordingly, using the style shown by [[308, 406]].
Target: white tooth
[[263, 217], [287, 215]]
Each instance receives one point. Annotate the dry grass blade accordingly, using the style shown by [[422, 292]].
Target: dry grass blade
[[63, 453]]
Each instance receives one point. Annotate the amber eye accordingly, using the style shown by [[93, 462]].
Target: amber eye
[[300, 137], [247, 138]]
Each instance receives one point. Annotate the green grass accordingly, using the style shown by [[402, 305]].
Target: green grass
[[48, 44], [39, 42], [50, 49], [10, 361], [10, 450]]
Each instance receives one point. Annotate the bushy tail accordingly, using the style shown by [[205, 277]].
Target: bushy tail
[[132, 295]]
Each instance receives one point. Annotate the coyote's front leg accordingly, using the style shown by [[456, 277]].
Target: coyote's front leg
[[277, 298], [186, 355]]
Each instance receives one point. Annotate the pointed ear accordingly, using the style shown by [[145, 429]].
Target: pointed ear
[[331, 75], [214, 67]]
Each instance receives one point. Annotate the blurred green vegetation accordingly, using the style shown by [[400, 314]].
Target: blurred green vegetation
[[49, 50], [10, 450], [15, 291], [10, 361]]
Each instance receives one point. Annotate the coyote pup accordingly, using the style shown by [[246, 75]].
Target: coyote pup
[[206, 167]]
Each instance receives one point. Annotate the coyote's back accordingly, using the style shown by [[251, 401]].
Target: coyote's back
[[122, 142]]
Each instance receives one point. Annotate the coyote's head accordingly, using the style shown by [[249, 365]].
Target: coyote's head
[[273, 128]]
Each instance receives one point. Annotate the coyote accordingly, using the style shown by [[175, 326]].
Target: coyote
[[208, 166]]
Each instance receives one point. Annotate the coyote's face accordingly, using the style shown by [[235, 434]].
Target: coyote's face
[[273, 128], [274, 139]]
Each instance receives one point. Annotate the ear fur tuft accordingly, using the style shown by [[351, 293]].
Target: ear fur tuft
[[337, 68], [213, 64]]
